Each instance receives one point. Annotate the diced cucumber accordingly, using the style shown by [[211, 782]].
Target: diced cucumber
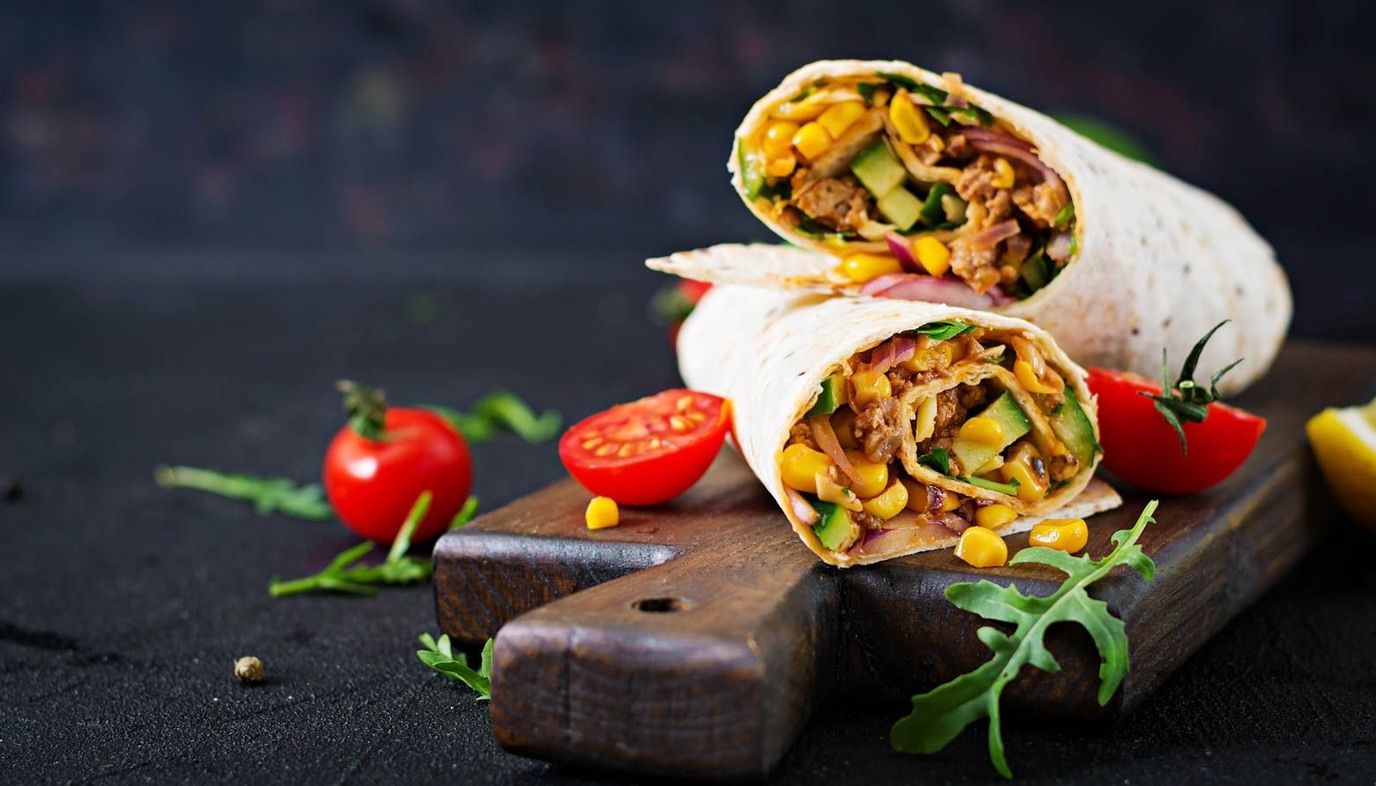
[[751, 165], [836, 529], [901, 208], [879, 169], [832, 396], [1011, 489], [1072, 427], [971, 455], [1036, 271]]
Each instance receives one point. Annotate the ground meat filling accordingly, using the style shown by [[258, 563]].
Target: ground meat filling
[[838, 203], [952, 406], [878, 430]]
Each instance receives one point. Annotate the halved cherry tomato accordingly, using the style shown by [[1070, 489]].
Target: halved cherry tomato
[[373, 479], [648, 451], [1141, 447]]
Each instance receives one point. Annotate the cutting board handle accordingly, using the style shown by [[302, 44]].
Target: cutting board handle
[[719, 657]]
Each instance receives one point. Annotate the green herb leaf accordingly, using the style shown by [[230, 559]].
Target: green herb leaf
[[268, 495], [439, 655], [465, 514], [1064, 216], [938, 459], [941, 714], [670, 305], [367, 408], [343, 575], [944, 330], [1187, 400], [497, 411], [867, 90]]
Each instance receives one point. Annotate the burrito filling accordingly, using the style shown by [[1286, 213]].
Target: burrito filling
[[931, 432], [914, 187]]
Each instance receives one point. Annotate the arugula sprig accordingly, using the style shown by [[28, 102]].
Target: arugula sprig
[[343, 575], [268, 495], [501, 410], [938, 459], [440, 656], [1187, 400], [944, 330], [942, 713]]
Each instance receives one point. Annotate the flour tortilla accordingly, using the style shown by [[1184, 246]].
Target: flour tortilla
[[769, 350], [1159, 261]]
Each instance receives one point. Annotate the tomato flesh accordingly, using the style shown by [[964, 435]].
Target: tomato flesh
[[372, 485], [648, 451], [1141, 448]]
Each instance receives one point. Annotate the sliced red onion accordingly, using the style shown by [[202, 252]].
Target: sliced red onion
[[955, 523], [826, 440], [973, 134], [992, 236], [888, 355], [999, 297], [1058, 248], [936, 496], [876, 285], [800, 506], [900, 248], [1023, 154], [952, 292], [872, 535]]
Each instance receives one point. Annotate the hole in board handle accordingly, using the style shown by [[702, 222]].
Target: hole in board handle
[[661, 605]]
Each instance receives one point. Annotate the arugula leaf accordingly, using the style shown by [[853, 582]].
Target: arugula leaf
[[973, 113], [497, 411], [944, 330], [465, 514], [938, 459], [1187, 400], [439, 655], [939, 715], [342, 575], [867, 90], [268, 495]]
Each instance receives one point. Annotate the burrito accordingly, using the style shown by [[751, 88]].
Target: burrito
[[912, 185], [885, 427]]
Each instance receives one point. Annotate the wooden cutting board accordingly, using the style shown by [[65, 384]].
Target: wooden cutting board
[[697, 638]]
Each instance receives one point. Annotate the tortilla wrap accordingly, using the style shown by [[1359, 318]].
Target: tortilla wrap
[[1157, 262], [769, 351]]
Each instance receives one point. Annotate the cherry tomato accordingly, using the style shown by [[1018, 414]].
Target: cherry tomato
[[372, 483], [1141, 447], [648, 451], [687, 293]]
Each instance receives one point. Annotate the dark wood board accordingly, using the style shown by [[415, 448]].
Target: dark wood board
[[697, 637]]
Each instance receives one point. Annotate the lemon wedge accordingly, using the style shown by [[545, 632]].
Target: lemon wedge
[[1344, 442]]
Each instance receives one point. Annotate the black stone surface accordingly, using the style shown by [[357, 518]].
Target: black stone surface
[[123, 606]]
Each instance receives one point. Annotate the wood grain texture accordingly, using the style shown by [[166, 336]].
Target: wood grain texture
[[591, 670]]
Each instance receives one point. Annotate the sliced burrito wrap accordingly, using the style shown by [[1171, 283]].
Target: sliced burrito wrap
[[1001, 209], [803, 373]]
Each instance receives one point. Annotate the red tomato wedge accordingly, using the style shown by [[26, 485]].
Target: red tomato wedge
[[648, 451], [1141, 448]]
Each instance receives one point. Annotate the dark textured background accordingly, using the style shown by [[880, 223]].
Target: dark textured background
[[210, 211]]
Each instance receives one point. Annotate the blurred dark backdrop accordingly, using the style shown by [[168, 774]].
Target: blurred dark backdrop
[[385, 128]]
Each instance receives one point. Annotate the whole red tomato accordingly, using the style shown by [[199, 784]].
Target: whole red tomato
[[378, 465], [676, 303], [1143, 449], [648, 451]]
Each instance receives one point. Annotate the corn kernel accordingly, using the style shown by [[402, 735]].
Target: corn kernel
[[951, 501], [1023, 371], [1024, 464], [917, 495], [910, 121], [890, 503], [869, 386], [873, 476], [930, 355], [880, 98], [799, 466], [1003, 174], [994, 516], [932, 255], [778, 138], [1068, 535], [866, 267], [801, 111], [925, 422], [983, 430], [839, 117], [782, 166], [982, 548], [811, 140], [602, 513], [843, 423]]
